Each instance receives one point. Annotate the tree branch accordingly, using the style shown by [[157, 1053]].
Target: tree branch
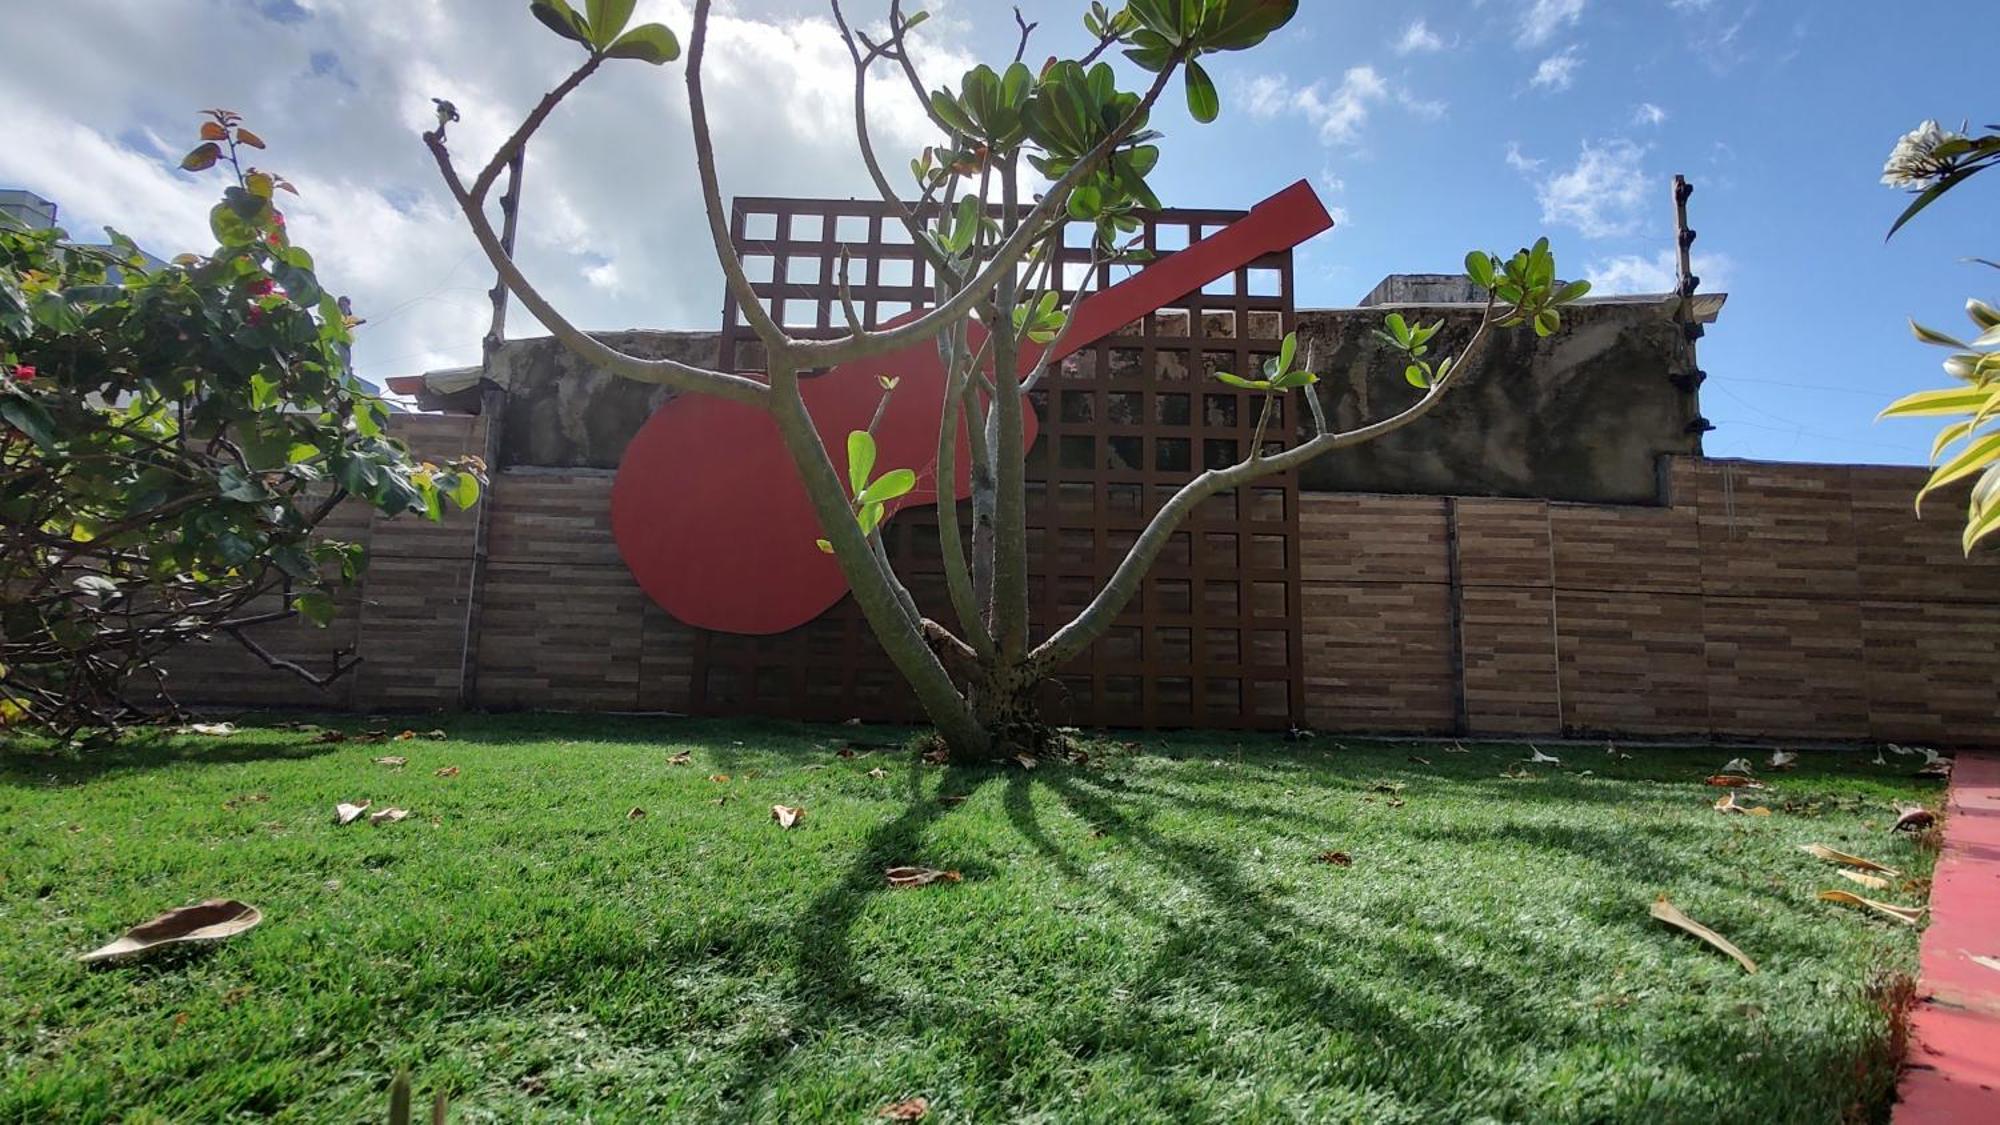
[[1070, 640]]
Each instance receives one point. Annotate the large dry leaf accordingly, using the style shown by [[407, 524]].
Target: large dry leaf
[[1537, 758], [1336, 859], [718, 778], [213, 730], [447, 771], [938, 757], [1728, 805], [1908, 915], [919, 876], [347, 813], [914, 1109], [1667, 912], [392, 762], [787, 815], [1832, 856], [388, 816], [1872, 882], [878, 773], [1733, 781], [1784, 759], [406, 736], [1737, 765], [1913, 818], [213, 920], [636, 814], [683, 758]]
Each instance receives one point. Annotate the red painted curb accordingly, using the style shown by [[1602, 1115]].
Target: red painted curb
[[1953, 1072]]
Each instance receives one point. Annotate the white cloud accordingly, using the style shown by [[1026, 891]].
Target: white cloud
[[1542, 19], [1602, 195], [1338, 112], [611, 220], [1518, 162], [1418, 39], [1637, 273], [1557, 72], [1646, 113]]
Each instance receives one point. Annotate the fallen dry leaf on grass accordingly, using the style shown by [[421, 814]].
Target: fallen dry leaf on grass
[[437, 736], [347, 813], [212, 730], [636, 814], [1908, 915], [1420, 761], [919, 876], [1831, 856], [1733, 781], [937, 757], [1026, 761], [1667, 912], [213, 920], [1784, 759], [447, 771], [1912, 818], [685, 757], [915, 1109], [878, 773], [1457, 748], [392, 761], [846, 753], [1537, 758], [1337, 859], [331, 736], [389, 816], [1872, 882], [406, 736], [1728, 805], [243, 799], [718, 778], [787, 815]]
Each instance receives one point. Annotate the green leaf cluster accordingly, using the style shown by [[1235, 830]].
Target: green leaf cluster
[[872, 494], [1281, 372], [1975, 404], [601, 29]]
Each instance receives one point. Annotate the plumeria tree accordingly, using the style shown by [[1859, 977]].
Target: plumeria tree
[[171, 440], [1021, 154], [1930, 161]]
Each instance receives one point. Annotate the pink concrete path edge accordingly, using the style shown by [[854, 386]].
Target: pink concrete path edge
[[1953, 1071]]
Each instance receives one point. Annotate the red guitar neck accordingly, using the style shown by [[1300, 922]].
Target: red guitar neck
[[1279, 223]]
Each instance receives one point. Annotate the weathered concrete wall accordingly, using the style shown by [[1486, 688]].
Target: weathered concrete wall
[[1584, 415]]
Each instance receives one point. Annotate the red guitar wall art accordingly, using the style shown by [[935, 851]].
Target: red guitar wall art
[[708, 510]]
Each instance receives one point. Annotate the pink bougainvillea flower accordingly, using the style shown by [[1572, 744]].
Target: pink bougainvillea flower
[[262, 286], [24, 373]]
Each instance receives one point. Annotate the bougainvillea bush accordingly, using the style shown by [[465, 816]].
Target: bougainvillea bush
[[171, 440]]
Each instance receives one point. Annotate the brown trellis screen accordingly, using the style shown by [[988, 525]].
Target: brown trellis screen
[[1213, 640]]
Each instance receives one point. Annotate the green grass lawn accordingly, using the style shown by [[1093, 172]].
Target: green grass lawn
[[1148, 937]]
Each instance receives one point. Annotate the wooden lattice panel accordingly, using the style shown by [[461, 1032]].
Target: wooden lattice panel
[[1214, 638]]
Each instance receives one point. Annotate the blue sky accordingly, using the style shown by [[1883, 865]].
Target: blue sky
[[1429, 128]]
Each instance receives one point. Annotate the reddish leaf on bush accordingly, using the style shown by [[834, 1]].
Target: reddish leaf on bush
[[210, 131], [202, 158], [246, 137]]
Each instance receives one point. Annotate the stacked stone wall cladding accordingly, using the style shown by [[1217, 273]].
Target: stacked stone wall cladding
[[1760, 601]]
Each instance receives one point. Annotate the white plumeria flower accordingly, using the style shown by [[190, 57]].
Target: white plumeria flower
[[1913, 163]]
